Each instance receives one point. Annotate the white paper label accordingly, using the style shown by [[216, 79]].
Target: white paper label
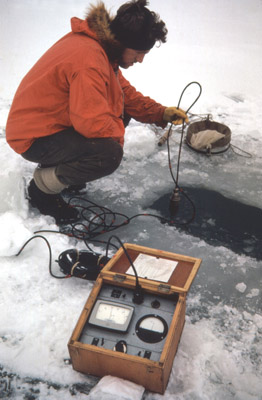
[[150, 267]]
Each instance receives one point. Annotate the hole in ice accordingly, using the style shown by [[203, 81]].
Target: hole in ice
[[219, 220]]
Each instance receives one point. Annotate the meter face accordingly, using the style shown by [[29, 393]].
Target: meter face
[[111, 315], [152, 324], [151, 328]]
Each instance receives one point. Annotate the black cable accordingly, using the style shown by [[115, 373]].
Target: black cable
[[194, 102], [81, 231], [50, 254], [138, 295], [175, 198], [182, 132], [97, 220]]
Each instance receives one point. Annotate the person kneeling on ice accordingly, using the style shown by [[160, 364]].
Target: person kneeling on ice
[[70, 111]]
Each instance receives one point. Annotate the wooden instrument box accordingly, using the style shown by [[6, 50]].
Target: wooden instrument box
[[143, 366]]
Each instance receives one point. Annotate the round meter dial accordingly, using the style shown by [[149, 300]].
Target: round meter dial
[[151, 328]]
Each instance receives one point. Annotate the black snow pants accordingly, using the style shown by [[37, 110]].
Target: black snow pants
[[77, 159]]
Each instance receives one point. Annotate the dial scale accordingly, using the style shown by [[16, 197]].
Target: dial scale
[[142, 327]]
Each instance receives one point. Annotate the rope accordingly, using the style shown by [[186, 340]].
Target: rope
[[248, 155]]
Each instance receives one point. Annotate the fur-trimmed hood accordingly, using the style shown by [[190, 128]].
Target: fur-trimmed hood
[[97, 26]]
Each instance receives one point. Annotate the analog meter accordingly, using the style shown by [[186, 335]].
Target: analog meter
[[111, 315], [151, 328]]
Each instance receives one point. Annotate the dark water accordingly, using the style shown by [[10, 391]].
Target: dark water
[[218, 220]]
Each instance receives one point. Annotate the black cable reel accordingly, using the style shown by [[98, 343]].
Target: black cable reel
[[81, 264]]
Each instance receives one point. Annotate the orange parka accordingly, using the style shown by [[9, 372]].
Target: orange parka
[[76, 84]]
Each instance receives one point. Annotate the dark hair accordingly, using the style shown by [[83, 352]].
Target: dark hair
[[136, 27]]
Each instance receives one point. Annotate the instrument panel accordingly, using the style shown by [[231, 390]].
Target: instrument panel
[[117, 324]]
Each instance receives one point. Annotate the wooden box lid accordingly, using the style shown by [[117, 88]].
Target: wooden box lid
[[184, 268]]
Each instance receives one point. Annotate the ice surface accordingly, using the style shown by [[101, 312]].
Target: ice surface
[[219, 357]]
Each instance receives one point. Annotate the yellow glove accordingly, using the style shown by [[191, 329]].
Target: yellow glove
[[175, 115]]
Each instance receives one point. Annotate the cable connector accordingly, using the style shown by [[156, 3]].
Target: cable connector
[[138, 297], [165, 136], [174, 202]]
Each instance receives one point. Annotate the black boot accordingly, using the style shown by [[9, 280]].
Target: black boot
[[51, 204]]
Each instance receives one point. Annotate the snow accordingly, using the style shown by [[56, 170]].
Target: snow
[[218, 44]]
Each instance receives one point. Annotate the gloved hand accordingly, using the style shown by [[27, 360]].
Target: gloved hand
[[175, 115]]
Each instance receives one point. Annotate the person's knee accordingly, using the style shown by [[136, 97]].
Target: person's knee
[[114, 155], [89, 167]]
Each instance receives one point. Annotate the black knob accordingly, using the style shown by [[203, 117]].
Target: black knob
[[155, 304]]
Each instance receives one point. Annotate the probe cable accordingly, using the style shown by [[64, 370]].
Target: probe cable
[[50, 255], [98, 220], [177, 190], [138, 294]]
